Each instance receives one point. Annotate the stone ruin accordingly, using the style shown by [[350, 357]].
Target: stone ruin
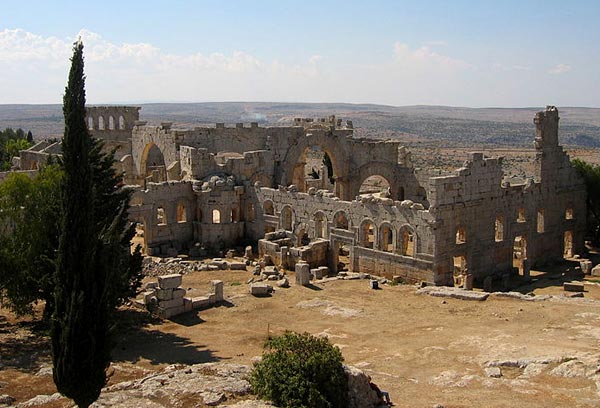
[[220, 187], [166, 298]]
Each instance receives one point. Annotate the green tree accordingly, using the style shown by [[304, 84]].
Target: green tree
[[94, 264], [301, 371], [29, 210], [591, 176], [30, 137]]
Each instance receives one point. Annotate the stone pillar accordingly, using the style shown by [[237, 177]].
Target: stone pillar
[[302, 273], [468, 281], [217, 287]]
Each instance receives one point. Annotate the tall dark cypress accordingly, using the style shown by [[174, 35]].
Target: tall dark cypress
[[80, 342]]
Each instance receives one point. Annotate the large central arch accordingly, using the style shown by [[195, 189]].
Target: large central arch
[[152, 159], [334, 146], [388, 171]]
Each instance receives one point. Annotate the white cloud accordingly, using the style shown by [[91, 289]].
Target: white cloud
[[35, 68], [560, 69]]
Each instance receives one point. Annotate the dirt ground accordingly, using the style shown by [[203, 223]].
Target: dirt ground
[[424, 350]]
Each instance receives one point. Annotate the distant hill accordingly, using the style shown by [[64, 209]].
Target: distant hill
[[428, 125]]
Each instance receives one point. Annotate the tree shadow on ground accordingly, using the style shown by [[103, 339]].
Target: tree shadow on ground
[[135, 342], [24, 345]]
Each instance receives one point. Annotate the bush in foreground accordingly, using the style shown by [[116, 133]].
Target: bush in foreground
[[301, 371]]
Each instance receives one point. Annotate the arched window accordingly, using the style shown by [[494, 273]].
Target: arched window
[[234, 215], [540, 221], [286, 218], [521, 215], [111, 123], [386, 238], [499, 228], [340, 220], [121, 123], [320, 225], [90, 123], [161, 216], [181, 213], [216, 216], [268, 208], [408, 243], [461, 235], [367, 234], [100, 123]]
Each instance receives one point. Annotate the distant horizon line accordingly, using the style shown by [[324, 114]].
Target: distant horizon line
[[133, 103]]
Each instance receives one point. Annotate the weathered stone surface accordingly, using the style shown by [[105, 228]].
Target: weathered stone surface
[[40, 400], [260, 289], [217, 289], [586, 266], [493, 372], [596, 270], [302, 273], [573, 286], [283, 283], [360, 393], [169, 281], [237, 266], [456, 293]]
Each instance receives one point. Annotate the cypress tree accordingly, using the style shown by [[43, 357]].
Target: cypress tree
[[95, 269]]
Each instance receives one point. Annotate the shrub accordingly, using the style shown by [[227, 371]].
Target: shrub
[[301, 371]]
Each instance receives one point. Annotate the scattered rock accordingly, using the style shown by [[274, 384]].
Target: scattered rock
[[493, 372], [6, 399], [451, 292]]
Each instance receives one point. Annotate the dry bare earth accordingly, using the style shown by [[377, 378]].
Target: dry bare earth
[[424, 350]]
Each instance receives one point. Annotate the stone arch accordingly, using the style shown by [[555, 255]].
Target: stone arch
[[182, 215], [386, 237], [301, 232], [101, 122], [407, 241], [367, 233], [90, 121], [340, 220], [387, 171], [121, 122], [320, 224], [111, 123], [216, 216], [152, 159], [268, 208], [335, 148], [161, 216], [287, 218]]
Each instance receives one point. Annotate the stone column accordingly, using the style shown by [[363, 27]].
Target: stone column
[[302, 273], [217, 287]]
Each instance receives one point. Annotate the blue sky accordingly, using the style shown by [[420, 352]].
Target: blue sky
[[462, 53]]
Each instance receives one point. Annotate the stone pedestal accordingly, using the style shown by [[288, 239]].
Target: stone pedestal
[[302, 273], [217, 287]]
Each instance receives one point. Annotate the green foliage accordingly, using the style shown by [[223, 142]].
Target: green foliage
[[95, 268], [11, 142], [301, 371], [29, 210], [591, 176]]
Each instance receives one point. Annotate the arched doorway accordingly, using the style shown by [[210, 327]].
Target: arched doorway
[[376, 185], [153, 163], [314, 169], [287, 218], [568, 244], [519, 252]]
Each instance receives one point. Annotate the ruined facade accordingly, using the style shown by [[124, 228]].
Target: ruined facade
[[217, 187]]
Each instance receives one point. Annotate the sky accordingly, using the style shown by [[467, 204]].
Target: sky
[[475, 53]]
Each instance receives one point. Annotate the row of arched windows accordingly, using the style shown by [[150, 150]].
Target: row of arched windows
[[102, 125], [401, 241]]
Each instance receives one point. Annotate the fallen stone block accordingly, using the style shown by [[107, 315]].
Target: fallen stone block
[[596, 270], [219, 263], [147, 297], [302, 273], [283, 283], [493, 372], [237, 266], [260, 289], [169, 281], [451, 292], [573, 287], [586, 266]]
